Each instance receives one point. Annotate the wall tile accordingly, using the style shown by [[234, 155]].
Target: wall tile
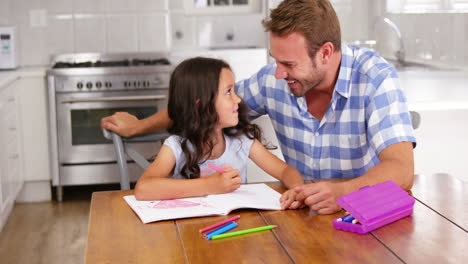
[[152, 32], [60, 35], [176, 4], [459, 39], [90, 33], [145, 6], [58, 6], [22, 7], [32, 43], [122, 33], [121, 6], [5, 12], [91, 6]]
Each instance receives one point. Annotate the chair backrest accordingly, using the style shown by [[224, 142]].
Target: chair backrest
[[415, 119], [121, 149]]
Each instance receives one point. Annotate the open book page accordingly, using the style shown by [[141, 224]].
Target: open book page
[[258, 196], [151, 211], [247, 196]]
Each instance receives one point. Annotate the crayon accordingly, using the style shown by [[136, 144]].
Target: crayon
[[348, 219], [216, 168], [246, 231], [221, 230], [219, 223]]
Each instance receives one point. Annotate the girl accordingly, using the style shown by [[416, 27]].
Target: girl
[[210, 127]]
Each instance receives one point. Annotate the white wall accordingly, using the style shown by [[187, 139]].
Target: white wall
[[51, 27]]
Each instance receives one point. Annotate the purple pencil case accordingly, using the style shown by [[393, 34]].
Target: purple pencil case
[[374, 206]]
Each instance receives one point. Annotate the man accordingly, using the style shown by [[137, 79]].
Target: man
[[338, 111]]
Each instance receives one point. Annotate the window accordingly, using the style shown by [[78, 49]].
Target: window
[[460, 5], [427, 6]]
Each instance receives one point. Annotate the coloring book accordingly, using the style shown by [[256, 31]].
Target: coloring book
[[258, 196]]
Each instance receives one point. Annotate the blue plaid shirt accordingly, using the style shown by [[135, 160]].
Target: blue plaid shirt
[[367, 113]]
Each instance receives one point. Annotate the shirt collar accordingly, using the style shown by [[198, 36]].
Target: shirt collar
[[342, 86]]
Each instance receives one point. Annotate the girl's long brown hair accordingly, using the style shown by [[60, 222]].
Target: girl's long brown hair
[[192, 92]]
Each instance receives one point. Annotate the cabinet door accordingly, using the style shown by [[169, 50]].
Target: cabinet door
[[3, 154], [14, 141], [11, 175], [216, 7], [6, 202]]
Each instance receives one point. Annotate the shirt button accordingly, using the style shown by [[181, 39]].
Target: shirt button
[[317, 134], [314, 165]]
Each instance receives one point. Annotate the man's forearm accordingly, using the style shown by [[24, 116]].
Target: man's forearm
[[156, 122], [397, 164]]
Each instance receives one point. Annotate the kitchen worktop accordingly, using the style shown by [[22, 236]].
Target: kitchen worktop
[[8, 76], [435, 90]]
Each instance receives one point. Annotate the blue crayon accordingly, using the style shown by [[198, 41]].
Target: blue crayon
[[216, 229], [341, 218], [348, 219], [221, 230]]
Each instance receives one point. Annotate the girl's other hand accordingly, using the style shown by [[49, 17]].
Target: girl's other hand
[[225, 182], [288, 200]]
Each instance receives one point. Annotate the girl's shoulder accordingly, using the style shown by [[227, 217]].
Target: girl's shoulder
[[173, 139], [174, 142]]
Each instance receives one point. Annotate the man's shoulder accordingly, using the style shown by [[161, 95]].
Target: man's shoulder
[[369, 62]]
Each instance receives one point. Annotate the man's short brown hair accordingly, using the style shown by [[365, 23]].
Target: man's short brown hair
[[315, 19]]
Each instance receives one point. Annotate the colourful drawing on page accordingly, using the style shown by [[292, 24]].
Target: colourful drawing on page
[[170, 204]]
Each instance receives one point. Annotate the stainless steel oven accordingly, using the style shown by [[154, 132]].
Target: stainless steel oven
[[82, 90]]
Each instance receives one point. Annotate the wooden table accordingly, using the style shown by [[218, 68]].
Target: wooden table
[[116, 235], [445, 194]]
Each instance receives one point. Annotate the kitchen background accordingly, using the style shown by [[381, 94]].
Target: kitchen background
[[433, 33], [432, 30], [434, 76]]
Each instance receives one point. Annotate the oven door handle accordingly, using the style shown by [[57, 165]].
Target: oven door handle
[[116, 99]]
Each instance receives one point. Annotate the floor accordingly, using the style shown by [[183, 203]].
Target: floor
[[49, 232]]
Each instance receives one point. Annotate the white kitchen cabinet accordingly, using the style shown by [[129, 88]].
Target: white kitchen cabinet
[[32, 94], [216, 7], [11, 176]]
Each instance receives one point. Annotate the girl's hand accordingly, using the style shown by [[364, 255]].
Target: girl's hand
[[224, 182], [288, 200]]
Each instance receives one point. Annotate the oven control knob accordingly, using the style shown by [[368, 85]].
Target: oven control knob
[[98, 85], [79, 85], [146, 83], [127, 84], [108, 84], [136, 84], [89, 85]]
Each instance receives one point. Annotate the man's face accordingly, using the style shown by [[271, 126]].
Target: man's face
[[294, 64]]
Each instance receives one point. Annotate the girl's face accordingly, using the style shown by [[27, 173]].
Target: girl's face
[[227, 101]]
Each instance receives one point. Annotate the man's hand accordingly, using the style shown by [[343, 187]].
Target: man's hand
[[121, 123], [320, 197]]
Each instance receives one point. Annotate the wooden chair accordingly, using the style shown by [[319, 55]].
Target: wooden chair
[[122, 149]]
